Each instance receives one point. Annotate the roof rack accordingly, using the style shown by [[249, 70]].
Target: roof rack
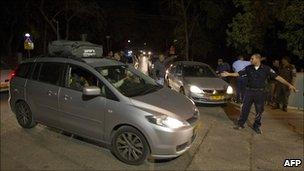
[[77, 50]]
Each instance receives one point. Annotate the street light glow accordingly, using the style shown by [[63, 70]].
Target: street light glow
[[27, 35], [129, 41]]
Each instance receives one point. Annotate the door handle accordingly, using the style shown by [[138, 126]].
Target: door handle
[[66, 97], [50, 93]]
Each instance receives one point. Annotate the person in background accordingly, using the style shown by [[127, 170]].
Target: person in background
[[257, 74], [275, 67], [265, 61], [222, 67], [241, 81], [110, 55], [159, 69], [144, 63], [288, 72], [117, 57], [300, 64]]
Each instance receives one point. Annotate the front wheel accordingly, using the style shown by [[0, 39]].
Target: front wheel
[[24, 115], [130, 146]]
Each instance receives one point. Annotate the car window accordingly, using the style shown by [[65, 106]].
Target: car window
[[179, 69], [51, 73], [173, 69], [197, 71], [36, 71], [24, 70], [128, 81], [78, 78]]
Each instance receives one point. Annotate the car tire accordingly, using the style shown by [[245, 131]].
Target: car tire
[[130, 146], [24, 115]]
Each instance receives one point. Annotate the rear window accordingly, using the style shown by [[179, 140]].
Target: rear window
[[51, 73], [24, 70]]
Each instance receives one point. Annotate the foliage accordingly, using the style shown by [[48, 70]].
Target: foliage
[[293, 32], [247, 31]]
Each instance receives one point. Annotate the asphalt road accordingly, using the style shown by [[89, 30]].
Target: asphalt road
[[218, 146]]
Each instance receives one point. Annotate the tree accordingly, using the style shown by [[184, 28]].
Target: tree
[[187, 12], [69, 10], [293, 33], [247, 31]]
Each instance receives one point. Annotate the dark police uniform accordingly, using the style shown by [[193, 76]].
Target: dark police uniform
[[255, 92], [282, 91]]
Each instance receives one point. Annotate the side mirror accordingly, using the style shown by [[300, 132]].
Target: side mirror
[[91, 91]]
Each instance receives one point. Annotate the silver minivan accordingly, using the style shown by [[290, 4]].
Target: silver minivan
[[106, 101]]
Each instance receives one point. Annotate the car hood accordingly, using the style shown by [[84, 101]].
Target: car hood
[[165, 101], [207, 83]]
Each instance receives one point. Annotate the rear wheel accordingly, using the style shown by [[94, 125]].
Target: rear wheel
[[130, 146], [24, 115]]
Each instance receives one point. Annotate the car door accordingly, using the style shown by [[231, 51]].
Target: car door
[[179, 77], [176, 78], [42, 92], [80, 114], [170, 76], [18, 82]]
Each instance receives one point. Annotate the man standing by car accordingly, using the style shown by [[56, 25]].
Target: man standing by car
[[221, 67], [288, 72], [241, 81], [257, 75], [159, 69]]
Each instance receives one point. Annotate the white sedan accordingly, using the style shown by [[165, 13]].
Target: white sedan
[[199, 82]]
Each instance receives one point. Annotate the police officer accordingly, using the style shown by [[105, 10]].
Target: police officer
[[257, 75], [288, 72]]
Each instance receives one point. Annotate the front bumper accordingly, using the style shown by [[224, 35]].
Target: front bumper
[[210, 98], [169, 143]]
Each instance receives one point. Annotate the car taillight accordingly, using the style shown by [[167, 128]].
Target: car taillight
[[11, 75]]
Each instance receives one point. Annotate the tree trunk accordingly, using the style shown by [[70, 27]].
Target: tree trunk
[[44, 39], [185, 30], [67, 30]]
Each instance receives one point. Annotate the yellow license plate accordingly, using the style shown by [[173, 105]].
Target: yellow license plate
[[217, 97], [4, 85]]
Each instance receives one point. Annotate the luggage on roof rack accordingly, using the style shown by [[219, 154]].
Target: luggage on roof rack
[[78, 49]]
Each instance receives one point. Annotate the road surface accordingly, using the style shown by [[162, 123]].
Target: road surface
[[218, 146]]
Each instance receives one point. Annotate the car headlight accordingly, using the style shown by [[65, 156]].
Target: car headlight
[[229, 90], [195, 89], [166, 121]]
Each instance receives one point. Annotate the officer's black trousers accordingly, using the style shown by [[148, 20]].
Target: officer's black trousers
[[258, 99]]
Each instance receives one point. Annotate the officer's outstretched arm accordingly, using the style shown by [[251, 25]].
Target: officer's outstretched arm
[[230, 74], [283, 81]]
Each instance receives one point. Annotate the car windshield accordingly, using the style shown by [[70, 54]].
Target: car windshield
[[128, 81], [197, 71]]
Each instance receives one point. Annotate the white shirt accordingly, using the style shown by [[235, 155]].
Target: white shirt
[[239, 65]]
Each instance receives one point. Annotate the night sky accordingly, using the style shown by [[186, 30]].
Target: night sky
[[141, 21]]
